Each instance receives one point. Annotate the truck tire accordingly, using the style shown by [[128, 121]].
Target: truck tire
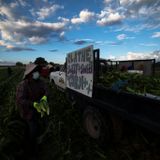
[[96, 125]]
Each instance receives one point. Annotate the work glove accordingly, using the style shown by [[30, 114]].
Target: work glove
[[44, 104], [42, 107]]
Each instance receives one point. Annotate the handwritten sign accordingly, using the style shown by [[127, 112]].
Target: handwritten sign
[[80, 70]]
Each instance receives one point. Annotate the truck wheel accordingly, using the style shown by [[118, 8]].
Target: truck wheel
[[96, 125]]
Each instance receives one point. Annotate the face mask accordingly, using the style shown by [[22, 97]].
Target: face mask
[[35, 75]]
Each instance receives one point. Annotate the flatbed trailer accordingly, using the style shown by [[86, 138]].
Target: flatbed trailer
[[109, 105]]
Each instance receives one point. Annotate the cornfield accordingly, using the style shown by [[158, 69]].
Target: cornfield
[[63, 136]]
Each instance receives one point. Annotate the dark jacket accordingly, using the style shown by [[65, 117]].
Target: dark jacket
[[27, 93]]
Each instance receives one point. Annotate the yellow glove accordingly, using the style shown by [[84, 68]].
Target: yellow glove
[[37, 106], [42, 107], [44, 104], [44, 98]]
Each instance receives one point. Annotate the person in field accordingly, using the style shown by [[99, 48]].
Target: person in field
[[31, 100]]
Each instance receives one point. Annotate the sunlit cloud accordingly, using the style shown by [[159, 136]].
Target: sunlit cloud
[[84, 16], [45, 12], [156, 35]]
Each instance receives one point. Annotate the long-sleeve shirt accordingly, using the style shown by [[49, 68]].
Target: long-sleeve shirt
[[27, 93]]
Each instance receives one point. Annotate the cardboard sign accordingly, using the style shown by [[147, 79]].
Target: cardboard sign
[[80, 70], [145, 66]]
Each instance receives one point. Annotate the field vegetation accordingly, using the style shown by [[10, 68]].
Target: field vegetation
[[63, 135]]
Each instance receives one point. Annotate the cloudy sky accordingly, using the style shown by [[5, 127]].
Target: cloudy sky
[[123, 29]]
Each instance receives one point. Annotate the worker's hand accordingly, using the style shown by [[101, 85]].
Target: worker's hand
[[42, 107]]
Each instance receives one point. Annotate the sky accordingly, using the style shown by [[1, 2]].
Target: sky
[[121, 29]]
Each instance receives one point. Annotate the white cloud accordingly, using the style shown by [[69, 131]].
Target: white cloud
[[148, 44], [66, 20], [156, 35], [121, 37], [84, 16], [107, 18], [145, 11], [19, 31], [140, 56], [6, 11], [107, 1], [23, 3], [37, 40], [2, 43], [62, 34], [14, 4], [46, 11]]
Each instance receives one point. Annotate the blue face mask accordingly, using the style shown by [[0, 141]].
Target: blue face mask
[[36, 75]]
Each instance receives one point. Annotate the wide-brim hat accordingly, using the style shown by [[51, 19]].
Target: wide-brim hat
[[29, 69]]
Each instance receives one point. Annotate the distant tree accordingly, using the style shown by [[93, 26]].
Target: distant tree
[[19, 64], [52, 63], [40, 61]]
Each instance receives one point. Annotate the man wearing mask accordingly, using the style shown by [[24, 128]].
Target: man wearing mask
[[31, 100]]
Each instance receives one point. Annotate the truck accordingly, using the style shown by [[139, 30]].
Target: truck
[[105, 110]]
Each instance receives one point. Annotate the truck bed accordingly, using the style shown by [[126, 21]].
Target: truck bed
[[144, 111]]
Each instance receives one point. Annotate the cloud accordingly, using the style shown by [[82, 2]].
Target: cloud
[[109, 18], [148, 44], [145, 11], [8, 47], [2, 43], [137, 28], [13, 4], [46, 11], [83, 41], [21, 29], [23, 3], [123, 37], [110, 43], [18, 49], [84, 16], [29, 31], [8, 11], [140, 56], [53, 50], [156, 35], [37, 40]]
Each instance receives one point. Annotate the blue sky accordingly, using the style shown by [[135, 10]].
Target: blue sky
[[121, 29]]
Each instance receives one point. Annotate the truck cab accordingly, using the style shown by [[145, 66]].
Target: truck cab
[[59, 78]]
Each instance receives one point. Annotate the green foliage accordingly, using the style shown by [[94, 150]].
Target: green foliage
[[136, 83], [40, 61], [19, 64]]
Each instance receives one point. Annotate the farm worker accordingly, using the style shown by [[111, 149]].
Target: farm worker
[[31, 99]]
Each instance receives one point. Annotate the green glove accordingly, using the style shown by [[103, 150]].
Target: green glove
[[44, 98], [44, 104], [37, 106], [42, 107]]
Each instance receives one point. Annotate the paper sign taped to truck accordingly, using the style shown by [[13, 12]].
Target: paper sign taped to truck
[[80, 70]]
